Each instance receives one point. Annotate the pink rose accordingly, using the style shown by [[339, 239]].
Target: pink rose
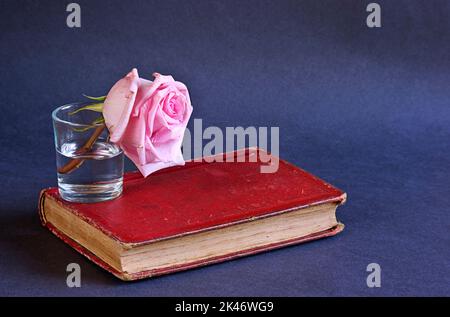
[[148, 119]]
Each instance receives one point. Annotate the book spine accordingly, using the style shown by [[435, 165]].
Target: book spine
[[42, 197], [72, 243]]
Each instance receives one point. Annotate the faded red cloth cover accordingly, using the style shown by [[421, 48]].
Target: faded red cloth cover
[[197, 197]]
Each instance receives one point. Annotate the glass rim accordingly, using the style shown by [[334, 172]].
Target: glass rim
[[75, 124]]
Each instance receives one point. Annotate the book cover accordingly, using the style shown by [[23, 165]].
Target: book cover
[[197, 197]]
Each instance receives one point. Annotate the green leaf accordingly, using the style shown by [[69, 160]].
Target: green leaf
[[94, 124], [83, 129], [99, 120], [102, 98], [97, 107]]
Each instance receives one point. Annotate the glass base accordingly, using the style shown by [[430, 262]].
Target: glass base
[[91, 193]]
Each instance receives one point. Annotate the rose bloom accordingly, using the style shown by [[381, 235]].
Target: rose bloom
[[147, 119]]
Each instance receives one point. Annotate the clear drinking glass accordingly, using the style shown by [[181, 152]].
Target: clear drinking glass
[[90, 169]]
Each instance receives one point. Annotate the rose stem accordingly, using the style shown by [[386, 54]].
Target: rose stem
[[75, 163]]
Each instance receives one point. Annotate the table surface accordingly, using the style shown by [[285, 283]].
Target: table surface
[[365, 109]]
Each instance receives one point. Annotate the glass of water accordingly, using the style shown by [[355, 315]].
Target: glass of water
[[90, 168]]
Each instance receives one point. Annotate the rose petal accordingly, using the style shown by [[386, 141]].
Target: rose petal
[[155, 85], [150, 168], [119, 104]]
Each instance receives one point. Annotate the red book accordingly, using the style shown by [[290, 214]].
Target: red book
[[197, 214]]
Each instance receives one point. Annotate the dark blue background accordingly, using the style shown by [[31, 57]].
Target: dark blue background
[[366, 109]]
